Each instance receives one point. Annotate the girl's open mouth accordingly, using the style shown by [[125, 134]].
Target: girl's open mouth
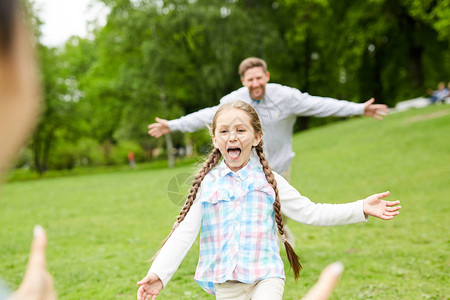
[[233, 153]]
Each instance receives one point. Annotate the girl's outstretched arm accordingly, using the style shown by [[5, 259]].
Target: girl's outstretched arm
[[303, 210], [386, 210], [172, 253], [150, 286]]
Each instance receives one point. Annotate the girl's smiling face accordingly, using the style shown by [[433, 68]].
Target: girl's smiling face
[[234, 136]]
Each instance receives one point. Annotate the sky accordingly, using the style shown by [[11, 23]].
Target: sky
[[64, 18]]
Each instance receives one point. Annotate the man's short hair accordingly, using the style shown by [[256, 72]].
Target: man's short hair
[[251, 62]]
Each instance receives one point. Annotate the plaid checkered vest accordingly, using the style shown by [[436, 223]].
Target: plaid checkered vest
[[238, 239]]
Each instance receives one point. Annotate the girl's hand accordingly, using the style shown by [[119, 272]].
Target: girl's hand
[[150, 286], [374, 206]]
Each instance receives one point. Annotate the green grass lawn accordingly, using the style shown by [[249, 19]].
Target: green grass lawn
[[103, 228]]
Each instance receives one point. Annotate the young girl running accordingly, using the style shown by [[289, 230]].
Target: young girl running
[[237, 204]]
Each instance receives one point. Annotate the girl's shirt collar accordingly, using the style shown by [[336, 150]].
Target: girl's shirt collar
[[222, 170]]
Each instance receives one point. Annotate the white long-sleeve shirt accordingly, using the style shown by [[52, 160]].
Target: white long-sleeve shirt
[[277, 111], [293, 205]]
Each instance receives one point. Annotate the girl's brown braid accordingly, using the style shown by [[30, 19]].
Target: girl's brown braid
[[294, 260], [209, 164]]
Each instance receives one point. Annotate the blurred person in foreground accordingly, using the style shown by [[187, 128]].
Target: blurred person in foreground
[[19, 111]]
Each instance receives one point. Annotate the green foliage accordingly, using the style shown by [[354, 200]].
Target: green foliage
[[372, 48], [103, 228], [434, 13]]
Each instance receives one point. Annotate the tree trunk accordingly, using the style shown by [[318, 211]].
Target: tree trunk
[[378, 82], [169, 145], [304, 121], [415, 66], [168, 137], [41, 150]]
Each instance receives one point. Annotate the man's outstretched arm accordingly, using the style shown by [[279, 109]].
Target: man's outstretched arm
[[189, 123], [307, 105]]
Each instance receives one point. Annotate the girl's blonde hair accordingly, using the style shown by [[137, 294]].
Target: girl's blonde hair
[[214, 159]]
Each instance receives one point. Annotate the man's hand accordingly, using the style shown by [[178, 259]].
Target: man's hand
[[160, 128], [374, 206], [377, 111], [150, 286]]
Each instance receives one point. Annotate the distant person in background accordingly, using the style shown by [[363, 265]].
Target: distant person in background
[[440, 94], [448, 89], [278, 107], [19, 107], [131, 159]]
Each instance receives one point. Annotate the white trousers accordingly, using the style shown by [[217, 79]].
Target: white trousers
[[267, 289]]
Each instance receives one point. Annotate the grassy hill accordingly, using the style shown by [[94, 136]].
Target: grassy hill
[[103, 228]]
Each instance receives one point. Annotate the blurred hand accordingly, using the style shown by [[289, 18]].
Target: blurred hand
[[37, 283], [150, 286], [326, 283], [374, 206], [160, 128], [377, 111]]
